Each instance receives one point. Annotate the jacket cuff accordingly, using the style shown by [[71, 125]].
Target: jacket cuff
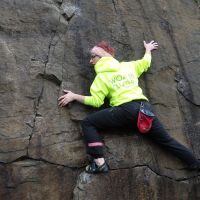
[[87, 100], [147, 56]]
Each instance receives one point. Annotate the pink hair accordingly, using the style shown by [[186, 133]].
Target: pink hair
[[105, 46]]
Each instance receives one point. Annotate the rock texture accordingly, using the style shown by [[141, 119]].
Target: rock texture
[[44, 49]]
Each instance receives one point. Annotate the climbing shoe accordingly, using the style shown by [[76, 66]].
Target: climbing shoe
[[195, 166], [93, 168]]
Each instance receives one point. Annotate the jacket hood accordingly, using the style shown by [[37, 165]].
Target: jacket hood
[[107, 64]]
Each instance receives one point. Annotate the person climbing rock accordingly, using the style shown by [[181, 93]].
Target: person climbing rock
[[118, 81]]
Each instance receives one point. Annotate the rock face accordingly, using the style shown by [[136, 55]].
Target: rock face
[[44, 49]]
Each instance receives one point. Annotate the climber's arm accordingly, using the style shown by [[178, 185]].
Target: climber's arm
[[69, 97]]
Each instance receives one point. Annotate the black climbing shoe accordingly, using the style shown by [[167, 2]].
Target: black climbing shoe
[[195, 166], [93, 168]]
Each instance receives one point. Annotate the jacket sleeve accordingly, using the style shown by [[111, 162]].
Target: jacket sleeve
[[98, 91], [140, 66]]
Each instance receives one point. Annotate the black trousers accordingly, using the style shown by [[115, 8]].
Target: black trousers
[[123, 116]]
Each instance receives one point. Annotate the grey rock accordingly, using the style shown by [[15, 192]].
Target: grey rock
[[44, 49]]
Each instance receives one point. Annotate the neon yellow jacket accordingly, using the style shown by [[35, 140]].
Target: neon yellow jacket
[[117, 81]]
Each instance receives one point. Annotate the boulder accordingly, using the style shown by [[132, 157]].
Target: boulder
[[45, 49]]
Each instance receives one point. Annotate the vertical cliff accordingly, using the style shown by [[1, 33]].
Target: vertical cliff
[[44, 48]]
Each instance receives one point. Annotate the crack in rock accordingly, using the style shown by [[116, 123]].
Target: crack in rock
[[51, 77], [158, 174], [38, 99], [85, 177], [114, 5], [21, 183], [26, 158], [36, 107], [68, 11], [183, 86]]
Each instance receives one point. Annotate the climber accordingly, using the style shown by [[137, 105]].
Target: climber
[[118, 81]]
